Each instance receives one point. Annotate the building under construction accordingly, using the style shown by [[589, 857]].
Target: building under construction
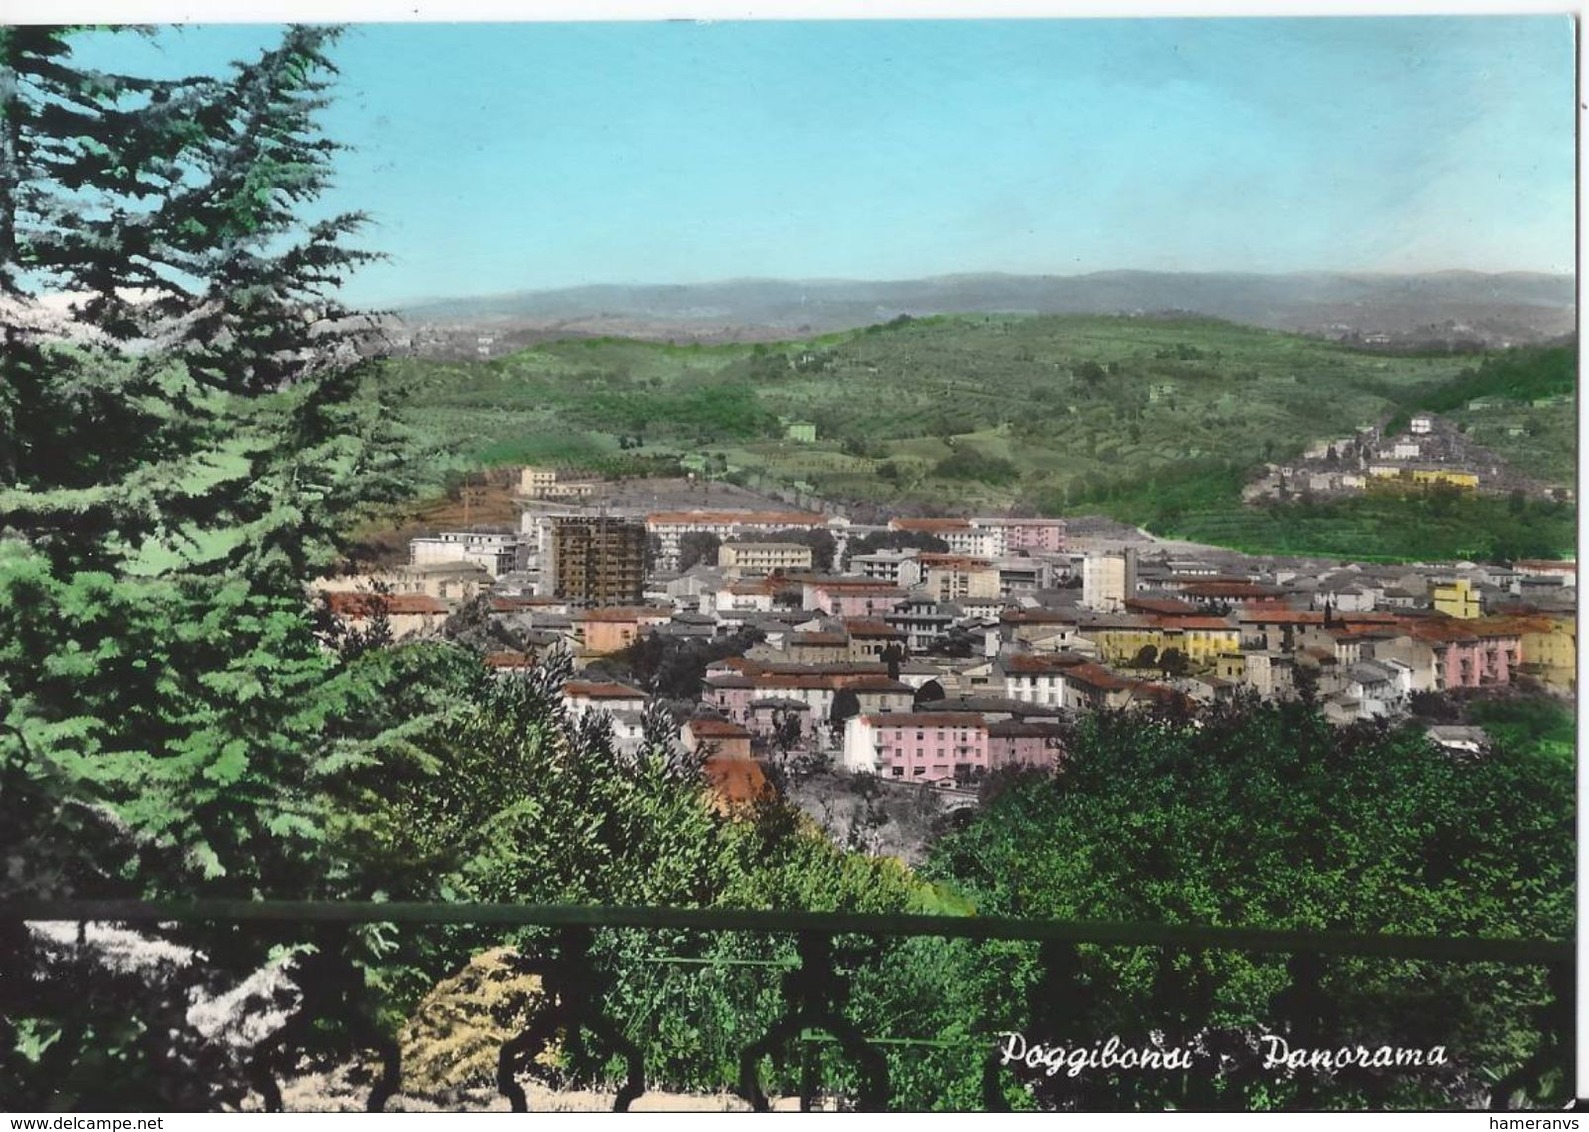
[[595, 560]]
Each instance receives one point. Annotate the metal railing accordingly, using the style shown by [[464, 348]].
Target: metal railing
[[814, 993]]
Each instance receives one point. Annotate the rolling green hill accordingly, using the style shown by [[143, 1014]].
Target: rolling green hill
[[1155, 420]]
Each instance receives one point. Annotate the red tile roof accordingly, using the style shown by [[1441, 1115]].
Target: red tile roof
[[1097, 676], [864, 627], [601, 690], [1159, 605], [1193, 623], [735, 780], [509, 660], [819, 640], [707, 727], [929, 526], [345, 604], [924, 719], [737, 518]]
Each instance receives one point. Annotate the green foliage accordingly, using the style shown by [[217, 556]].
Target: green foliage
[[968, 463], [673, 668], [1266, 816], [1528, 726]]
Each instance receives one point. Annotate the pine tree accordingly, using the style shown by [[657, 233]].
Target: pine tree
[[184, 445]]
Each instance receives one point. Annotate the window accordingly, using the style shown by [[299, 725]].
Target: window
[[899, 772]]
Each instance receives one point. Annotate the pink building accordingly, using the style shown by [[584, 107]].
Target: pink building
[[730, 694], [1017, 743], [1470, 653], [852, 597], [1035, 536], [923, 747]]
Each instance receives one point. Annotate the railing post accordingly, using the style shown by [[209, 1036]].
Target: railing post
[[1557, 1047], [815, 996], [332, 986], [1055, 1003], [571, 984]]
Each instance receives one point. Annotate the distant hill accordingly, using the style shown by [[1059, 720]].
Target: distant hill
[[1438, 308]]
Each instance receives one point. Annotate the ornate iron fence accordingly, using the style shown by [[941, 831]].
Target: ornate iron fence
[[813, 989]]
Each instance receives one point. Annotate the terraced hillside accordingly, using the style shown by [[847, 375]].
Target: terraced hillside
[[1152, 420]]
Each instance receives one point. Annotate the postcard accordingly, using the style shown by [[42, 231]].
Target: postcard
[[1014, 564]]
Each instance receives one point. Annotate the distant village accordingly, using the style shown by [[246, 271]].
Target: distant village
[[933, 651], [1431, 452]]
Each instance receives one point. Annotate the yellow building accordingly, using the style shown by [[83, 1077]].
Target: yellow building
[[1467, 481], [1203, 639], [1457, 599], [1200, 639], [1549, 649], [1120, 642]]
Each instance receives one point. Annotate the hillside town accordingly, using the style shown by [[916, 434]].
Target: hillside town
[[933, 651], [1430, 452]]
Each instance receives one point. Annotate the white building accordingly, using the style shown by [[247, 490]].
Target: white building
[[495, 553], [1107, 580]]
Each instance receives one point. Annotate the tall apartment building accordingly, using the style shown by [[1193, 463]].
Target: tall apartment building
[[595, 560], [1107, 580]]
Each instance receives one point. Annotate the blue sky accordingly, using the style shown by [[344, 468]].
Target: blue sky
[[499, 157]]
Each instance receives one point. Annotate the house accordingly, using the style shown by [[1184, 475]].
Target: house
[[870, 637], [1549, 647], [961, 535], [817, 647], [880, 695], [581, 697], [670, 526], [509, 663], [719, 738], [1563, 573], [895, 567], [1027, 626], [1033, 536], [739, 559], [952, 577], [1421, 425], [1016, 742], [603, 631], [848, 597], [1120, 638], [1458, 740], [923, 620], [1107, 580], [1092, 687], [1430, 477], [933, 748], [495, 553], [406, 615], [1037, 678], [1024, 575], [1379, 689], [1456, 597], [1270, 673], [1202, 640], [1472, 653]]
